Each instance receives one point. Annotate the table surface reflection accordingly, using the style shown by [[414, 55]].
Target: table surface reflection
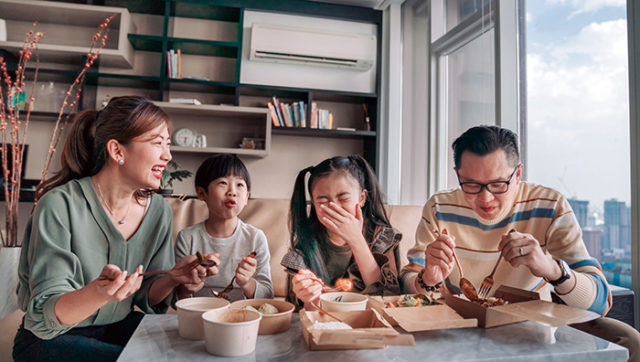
[[157, 339]]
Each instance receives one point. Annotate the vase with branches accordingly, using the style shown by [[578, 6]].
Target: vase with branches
[[14, 119]]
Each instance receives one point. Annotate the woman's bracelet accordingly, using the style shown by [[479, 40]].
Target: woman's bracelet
[[423, 285]]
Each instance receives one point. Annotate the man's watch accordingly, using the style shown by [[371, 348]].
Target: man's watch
[[566, 273]]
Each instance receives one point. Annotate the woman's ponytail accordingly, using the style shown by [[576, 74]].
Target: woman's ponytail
[[78, 155]]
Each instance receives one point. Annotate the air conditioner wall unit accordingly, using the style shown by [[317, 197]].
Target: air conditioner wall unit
[[312, 46]]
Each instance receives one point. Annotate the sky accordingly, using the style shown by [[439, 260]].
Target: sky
[[578, 98]]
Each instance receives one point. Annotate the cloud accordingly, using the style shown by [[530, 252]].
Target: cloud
[[578, 113], [588, 6]]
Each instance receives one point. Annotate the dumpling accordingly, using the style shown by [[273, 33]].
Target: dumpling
[[250, 307], [267, 308]]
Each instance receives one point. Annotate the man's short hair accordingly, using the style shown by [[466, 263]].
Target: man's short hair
[[483, 140]]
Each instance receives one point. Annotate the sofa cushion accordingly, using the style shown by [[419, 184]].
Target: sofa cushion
[[272, 217]]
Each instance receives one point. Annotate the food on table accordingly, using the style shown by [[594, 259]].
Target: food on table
[[344, 284], [267, 308], [331, 325], [415, 300], [491, 301]]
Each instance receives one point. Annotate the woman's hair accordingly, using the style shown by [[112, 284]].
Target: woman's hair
[[221, 165], [307, 231], [84, 153]]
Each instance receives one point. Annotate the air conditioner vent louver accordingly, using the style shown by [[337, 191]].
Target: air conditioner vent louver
[[312, 46]]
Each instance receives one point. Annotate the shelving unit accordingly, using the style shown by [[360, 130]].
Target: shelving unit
[[210, 36]]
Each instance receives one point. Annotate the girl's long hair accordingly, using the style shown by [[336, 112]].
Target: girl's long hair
[[307, 233]]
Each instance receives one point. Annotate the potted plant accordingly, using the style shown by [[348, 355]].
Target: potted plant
[[166, 183]]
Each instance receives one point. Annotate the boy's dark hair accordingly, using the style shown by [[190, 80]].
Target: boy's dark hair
[[221, 165], [483, 140], [306, 229]]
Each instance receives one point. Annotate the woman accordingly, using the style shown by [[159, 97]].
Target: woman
[[93, 232]]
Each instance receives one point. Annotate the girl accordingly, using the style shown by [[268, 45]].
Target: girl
[[222, 182], [93, 232], [346, 233]]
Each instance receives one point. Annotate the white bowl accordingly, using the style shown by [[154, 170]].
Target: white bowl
[[190, 314], [231, 332], [270, 323], [343, 301]]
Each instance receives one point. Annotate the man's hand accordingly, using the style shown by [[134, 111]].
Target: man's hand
[[439, 259], [523, 249]]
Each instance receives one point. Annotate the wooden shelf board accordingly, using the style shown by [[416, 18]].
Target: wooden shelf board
[[70, 54], [313, 132], [237, 151], [218, 110]]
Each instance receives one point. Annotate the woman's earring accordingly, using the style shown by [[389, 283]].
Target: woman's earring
[[121, 162]]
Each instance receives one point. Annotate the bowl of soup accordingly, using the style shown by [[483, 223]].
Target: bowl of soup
[[231, 332], [343, 301], [190, 314], [276, 314]]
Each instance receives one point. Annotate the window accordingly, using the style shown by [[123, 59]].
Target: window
[[578, 119]]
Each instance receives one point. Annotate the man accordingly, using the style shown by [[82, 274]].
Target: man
[[532, 227]]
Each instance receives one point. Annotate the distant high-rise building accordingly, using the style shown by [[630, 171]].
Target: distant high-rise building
[[581, 210], [617, 225], [591, 237]]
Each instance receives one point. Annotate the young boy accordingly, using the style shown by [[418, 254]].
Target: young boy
[[222, 182]]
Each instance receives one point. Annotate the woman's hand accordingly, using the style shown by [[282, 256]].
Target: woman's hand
[[306, 286], [246, 269], [113, 284], [342, 225], [439, 259]]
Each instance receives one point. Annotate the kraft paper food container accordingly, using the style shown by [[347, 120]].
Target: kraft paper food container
[[422, 318], [369, 331], [492, 316], [231, 332], [343, 301], [270, 323], [190, 312]]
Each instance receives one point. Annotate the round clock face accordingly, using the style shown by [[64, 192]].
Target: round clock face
[[184, 137]]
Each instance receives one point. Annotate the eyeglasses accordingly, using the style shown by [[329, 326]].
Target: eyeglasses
[[496, 187]]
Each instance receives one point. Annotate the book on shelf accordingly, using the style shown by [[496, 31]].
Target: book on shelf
[[274, 116], [174, 64]]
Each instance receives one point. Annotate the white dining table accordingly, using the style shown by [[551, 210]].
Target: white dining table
[[157, 339]]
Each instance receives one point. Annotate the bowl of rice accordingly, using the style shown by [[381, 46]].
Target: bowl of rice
[[343, 301], [276, 314]]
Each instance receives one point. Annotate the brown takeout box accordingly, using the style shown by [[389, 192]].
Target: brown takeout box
[[423, 318], [369, 331], [523, 305]]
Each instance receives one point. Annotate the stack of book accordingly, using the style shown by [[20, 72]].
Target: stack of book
[[288, 115], [295, 115], [174, 64]]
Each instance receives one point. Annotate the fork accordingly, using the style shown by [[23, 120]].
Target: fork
[[185, 268], [487, 282], [228, 288]]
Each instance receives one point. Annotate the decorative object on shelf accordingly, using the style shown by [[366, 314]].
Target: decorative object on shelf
[[200, 141], [166, 183], [249, 143], [367, 121], [14, 125], [184, 137]]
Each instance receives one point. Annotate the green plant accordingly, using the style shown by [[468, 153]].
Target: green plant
[[169, 176]]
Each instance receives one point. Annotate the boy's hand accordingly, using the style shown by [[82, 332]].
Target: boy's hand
[[246, 269], [197, 275]]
